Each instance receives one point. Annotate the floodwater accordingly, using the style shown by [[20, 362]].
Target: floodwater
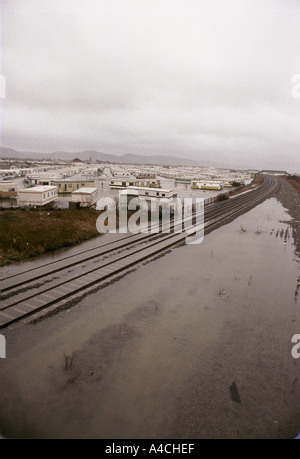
[[154, 354]]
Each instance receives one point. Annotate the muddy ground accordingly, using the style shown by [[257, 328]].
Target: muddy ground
[[289, 197]]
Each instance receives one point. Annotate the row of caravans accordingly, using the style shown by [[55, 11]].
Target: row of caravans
[[213, 184], [205, 184], [41, 195]]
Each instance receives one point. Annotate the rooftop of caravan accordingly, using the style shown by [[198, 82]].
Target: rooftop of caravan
[[85, 190], [38, 189], [144, 188]]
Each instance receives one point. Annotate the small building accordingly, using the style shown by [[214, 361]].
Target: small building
[[207, 185], [37, 195], [38, 180], [149, 183], [8, 174], [68, 185], [153, 197], [123, 184], [120, 174], [8, 189], [143, 176], [85, 197], [148, 193], [184, 180]]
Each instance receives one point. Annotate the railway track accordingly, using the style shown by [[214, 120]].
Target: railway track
[[59, 282]]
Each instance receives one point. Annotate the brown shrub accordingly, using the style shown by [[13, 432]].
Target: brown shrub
[[26, 234]]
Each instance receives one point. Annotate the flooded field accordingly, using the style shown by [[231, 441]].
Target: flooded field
[[154, 355]]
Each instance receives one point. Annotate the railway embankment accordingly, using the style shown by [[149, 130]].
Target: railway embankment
[[288, 194]]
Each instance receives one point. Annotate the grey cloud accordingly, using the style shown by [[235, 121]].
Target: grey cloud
[[153, 77]]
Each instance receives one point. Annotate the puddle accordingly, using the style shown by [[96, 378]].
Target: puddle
[[157, 353]]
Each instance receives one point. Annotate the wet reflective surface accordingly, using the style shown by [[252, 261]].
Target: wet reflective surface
[[155, 354]]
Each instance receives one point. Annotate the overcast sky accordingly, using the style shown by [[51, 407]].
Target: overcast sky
[[188, 78]]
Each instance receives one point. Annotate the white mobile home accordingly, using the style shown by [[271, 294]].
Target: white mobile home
[[149, 193], [120, 174], [207, 185], [39, 180], [7, 174], [37, 195], [184, 180], [85, 197], [122, 183], [68, 186]]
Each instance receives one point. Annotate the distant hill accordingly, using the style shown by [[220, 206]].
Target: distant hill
[[209, 159], [98, 155]]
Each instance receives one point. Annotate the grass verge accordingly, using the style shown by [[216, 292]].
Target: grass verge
[[26, 234]]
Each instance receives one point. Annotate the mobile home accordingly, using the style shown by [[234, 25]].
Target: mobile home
[[123, 184], [85, 197], [68, 185], [207, 185], [119, 184], [37, 195], [149, 193]]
